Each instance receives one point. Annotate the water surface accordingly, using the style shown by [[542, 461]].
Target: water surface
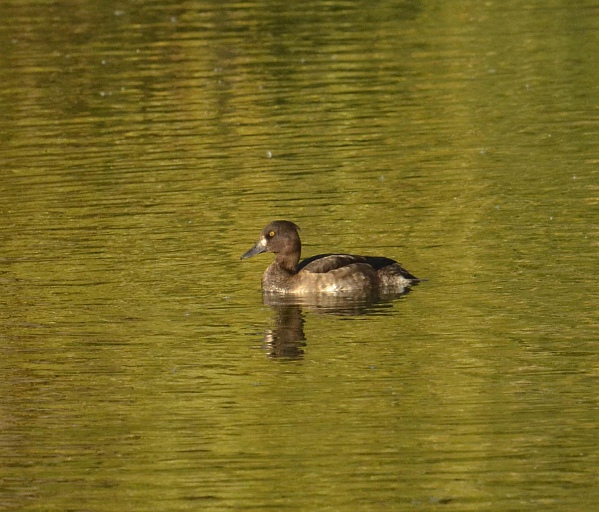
[[144, 147]]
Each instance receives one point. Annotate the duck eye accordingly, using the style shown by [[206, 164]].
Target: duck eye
[[271, 234]]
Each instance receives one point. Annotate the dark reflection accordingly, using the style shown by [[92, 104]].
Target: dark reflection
[[286, 339]]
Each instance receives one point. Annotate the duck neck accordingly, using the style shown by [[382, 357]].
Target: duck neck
[[289, 255], [288, 261]]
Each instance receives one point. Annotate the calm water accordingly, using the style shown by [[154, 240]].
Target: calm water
[[144, 145]]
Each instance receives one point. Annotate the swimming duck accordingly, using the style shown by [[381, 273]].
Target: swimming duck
[[325, 273]]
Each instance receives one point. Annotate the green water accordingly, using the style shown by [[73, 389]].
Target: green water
[[144, 145]]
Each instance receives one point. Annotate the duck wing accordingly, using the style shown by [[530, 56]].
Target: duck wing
[[324, 263]]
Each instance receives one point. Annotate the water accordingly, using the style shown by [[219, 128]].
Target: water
[[144, 147]]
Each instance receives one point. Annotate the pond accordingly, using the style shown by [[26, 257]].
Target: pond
[[145, 144]]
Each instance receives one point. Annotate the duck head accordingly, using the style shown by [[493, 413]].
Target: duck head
[[281, 238]]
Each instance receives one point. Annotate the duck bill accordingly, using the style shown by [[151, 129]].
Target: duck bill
[[258, 248]]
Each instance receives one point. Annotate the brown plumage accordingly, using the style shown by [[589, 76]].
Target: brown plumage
[[325, 273]]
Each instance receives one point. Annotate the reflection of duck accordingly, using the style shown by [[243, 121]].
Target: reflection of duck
[[325, 273], [337, 305], [286, 339]]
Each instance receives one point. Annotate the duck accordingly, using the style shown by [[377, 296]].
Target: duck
[[324, 273]]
